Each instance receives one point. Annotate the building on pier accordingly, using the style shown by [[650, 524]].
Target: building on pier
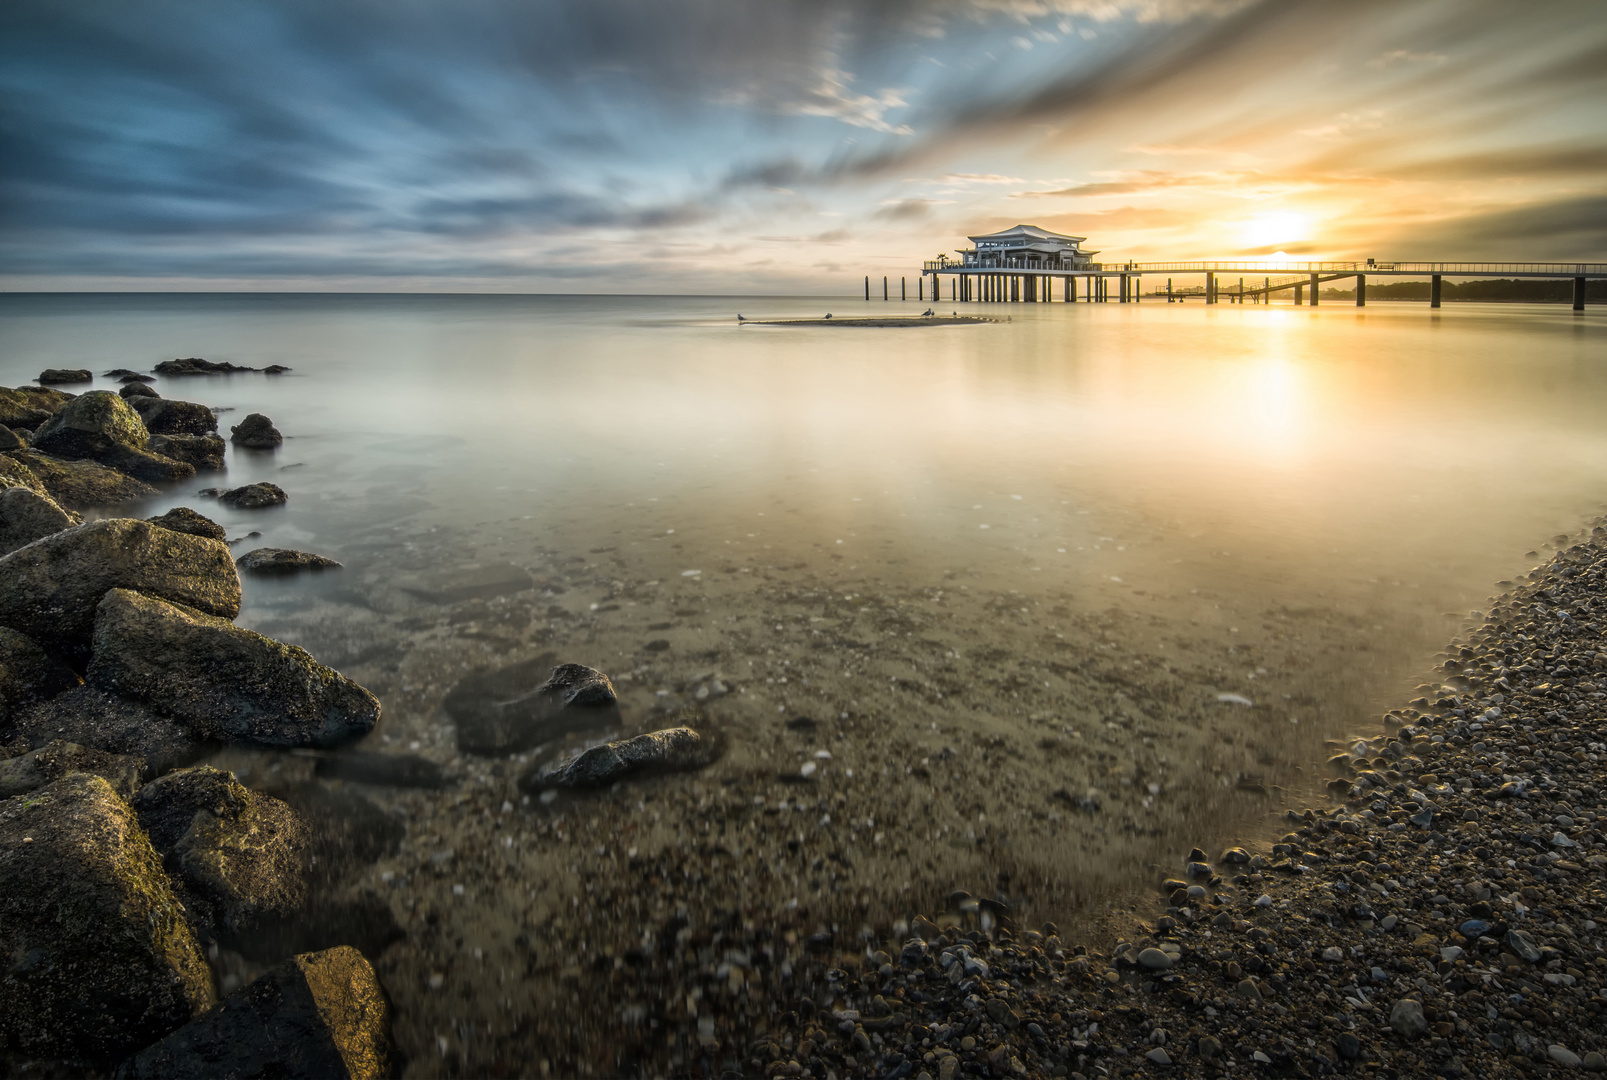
[[1027, 247]]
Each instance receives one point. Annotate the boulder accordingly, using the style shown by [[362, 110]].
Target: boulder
[[80, 485], [100, 959], [101, 427], [282, 561], [60, 376], [123, 373], [94, 718], [46, 397], [28, 675], [276, 369], [13, 473], [134, 376], [520, 706], [20, 410], [194, 365], [26, 516], [137, 389], [10, 440], [237, 855], [54, 760], [183, 519], [256, 432], [319, 1015], [49, 590], [197, 451], [163, 416], [254, 496], [220, 680], [677, 749]]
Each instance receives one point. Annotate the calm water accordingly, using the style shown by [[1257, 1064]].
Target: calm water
[[1005, 569]]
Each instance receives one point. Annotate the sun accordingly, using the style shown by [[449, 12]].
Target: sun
[[1276, 227]]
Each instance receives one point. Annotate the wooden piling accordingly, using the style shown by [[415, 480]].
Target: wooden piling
[[1579, 294], [1434, 290], [867, 286], [1313, 290], [1361, 290], [903, 292]]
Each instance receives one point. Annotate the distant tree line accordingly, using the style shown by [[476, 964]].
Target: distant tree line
[[1489, 290]]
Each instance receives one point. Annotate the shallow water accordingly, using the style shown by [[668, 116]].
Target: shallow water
[[1006, 571]]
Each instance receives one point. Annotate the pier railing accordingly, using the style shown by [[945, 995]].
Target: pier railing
[[1249, 267]]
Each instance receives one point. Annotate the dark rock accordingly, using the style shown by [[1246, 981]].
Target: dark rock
[[101, 960], [198, 451], [54, 760], [26, 516], [60, 376], [19, 410], [164, 416], [101, 427], [317, 1015], [238, 855], [28, 675], [49, 590], [80, 485], [135, 377], [13, 473], [276, 369], [347, 828], [256, 432], [94, 718], [282, 561], [515, 708], [678, 749], [122, 373], [194, 365], [137, 389], [385, 770], [220, 680], [254, 496], [183, 519], [10, 440]]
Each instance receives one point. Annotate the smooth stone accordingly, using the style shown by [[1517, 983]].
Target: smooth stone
[[107, 722], [1348, 1045], [678, 749], [222, 681], [1247, 988], [81, 485], [1407, 1018], [1159, 1056], [194, 365], [1521, 943], [1595, 1062], [26, 516], [165, 416], [1333, 954], [62, 376], [100, 959], [1563, 1056], [198, 451], [320, 1014], [255, 432], [254, 496], [1473, 928], [520, 706], [282, 561], [183, 519], [1154, 960], [137, 389], [33, 770]]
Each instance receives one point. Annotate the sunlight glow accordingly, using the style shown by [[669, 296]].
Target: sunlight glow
[[1276, 228]]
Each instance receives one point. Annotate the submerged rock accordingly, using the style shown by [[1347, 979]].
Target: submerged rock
[[183, 519], [256, 432], [56, 759], [678, 749], [220, 680], [28, 675], [198, 451], [276, 369], [26, 516], [386, 770], [254, 496], [194, 365], [123, 373], [517, 707], [62, 376], [238, 854], [137, 389], [80, 485], [94, 718], [320, 1014], [49, 590], [100, 959], [164, 416], [282, 561]]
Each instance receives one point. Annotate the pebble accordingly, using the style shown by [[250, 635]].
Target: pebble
[[1407, 1018], [1160, 1057], [1154, 960], [1563, 1056]]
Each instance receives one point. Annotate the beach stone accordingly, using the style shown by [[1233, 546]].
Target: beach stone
[[1333, 954], [1210, 1048], [100, 426], [254, 496], [10, 440], [64, 376], [137, 389], [80, 485], [49, 590], [282, 561], [28, 675], [676, 749], [165, 416], [1247, 988], [256, 432], [183, 519], [237, 854], [1595, 1062], [100, 959], [517, 707], [194, 365], [1348, 1045], [1154, 960], [1407, 1018], [1563, 1056], [1521, 943], [1159, 1056], [54, 760], [22, 410], [222, 681], [94, 718], [26, 516], [197, 451], [315, 1015]]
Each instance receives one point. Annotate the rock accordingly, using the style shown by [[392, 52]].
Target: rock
[[10, 440], [238, 854], [198, 451], [28, 675], [256, 432], [54, 760], [1210, 1048], [80, 485], [62, 376], [49, 590], [163, 416], [1407, 1018], [183, 519], [386, 770], [101, 961], [21, 410], [220, 680], [194, 365], [1247, 988], [254, 496], [1563, 1056], [122, 373], [276, 369], [13, 473], [26, 516], [94, 718], [1235, 856], [316, 1015], [95, 425], [1333, 954], [1348, 1045], [1520, 942], [137, 389], [519, 706], [1595, 1062], [1473, 928], [1154, 960], [282, 561], [1159, 1056], [677, 749]]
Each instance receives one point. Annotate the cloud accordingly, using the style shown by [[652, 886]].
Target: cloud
[[1396, 57], [832, 96], [908, 209], [1567, 229]]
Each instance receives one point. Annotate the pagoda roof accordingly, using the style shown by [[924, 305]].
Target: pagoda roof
[[1026, 232]]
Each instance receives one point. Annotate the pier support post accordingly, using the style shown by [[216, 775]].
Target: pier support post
[[1434, 291], [1300, 295], [1168, 290], [1313, 290], [903, 290], [867, 286], [1210, 288], [1361, 290], [920, 288], [884, 286], [1579, 294]]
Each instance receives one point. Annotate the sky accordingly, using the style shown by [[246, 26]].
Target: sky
[[779, 146]]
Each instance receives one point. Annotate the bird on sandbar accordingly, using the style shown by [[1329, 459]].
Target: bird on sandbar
[[828, 314], [926, 313], [740, 318]]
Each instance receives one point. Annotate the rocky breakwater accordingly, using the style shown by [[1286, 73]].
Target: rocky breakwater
[[1448, 918]]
